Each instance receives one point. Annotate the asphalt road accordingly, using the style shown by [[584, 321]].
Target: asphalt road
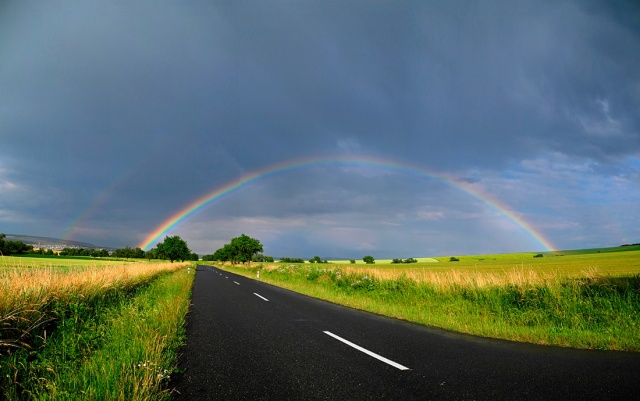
[[248, 340]]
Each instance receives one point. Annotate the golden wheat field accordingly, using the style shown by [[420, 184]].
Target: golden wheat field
[[27, 291]]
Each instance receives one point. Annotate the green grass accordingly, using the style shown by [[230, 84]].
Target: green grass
[[613, 263], [118, 346], [380, 261], [30, 261], [585, 300]]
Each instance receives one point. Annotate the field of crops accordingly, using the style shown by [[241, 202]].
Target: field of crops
[[89, 329]]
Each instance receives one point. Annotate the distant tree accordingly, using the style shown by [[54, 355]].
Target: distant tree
[[353, 261], [151, 254], [262, 258], [99, 253], [241, 249], [316, 259], [291, 260], [15, 247], [174, 248], [128, 252], [453, 259], [194, 256], [245, 247], [369, 260], [2, 237], [138, 253], [224, 254]]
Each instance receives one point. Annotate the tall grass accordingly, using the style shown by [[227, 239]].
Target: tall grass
[[115, 336], [591, 310], [30, 298]]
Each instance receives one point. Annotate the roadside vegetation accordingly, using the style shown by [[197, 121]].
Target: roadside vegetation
[[104, 330], [585, 299]]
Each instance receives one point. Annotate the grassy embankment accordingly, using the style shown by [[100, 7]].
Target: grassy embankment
[[579, 300], [105, 331]]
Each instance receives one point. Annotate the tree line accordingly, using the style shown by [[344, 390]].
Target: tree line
[[172, 248], [13, 247], [96, 253]]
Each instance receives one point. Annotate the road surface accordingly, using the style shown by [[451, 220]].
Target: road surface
[[248, 340]]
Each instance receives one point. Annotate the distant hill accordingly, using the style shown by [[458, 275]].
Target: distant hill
[[47, 242]]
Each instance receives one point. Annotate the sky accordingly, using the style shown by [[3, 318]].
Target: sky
[[436, 127]]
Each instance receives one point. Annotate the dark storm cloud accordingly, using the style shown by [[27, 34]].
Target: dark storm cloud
[[136, 108]]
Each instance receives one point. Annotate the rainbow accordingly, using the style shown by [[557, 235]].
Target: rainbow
[[364, 161]]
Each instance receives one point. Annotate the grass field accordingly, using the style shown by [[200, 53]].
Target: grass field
[[583, 299], [106, 330], [570, 265], [381, 261], [33, 261]]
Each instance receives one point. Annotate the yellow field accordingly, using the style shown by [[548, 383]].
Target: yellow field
[[30, 286]]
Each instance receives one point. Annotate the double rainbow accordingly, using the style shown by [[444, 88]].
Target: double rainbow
[[362, 161]]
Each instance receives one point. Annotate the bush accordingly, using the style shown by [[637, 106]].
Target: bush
[[353, 261], [453, 259], [291, 260], [538, 255], [369, 260], [410, 260]]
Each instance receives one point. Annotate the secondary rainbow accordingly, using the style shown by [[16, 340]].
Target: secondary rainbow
[[364, 161]]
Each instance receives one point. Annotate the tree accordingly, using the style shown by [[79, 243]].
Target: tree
[[224, 254], [128, 252], [14, 247], [262, 258], [99, 253], [369, 260], [244, 247], [174, 248], [151, 254]]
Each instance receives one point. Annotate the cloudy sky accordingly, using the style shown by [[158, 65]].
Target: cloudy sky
[[116, 115]]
